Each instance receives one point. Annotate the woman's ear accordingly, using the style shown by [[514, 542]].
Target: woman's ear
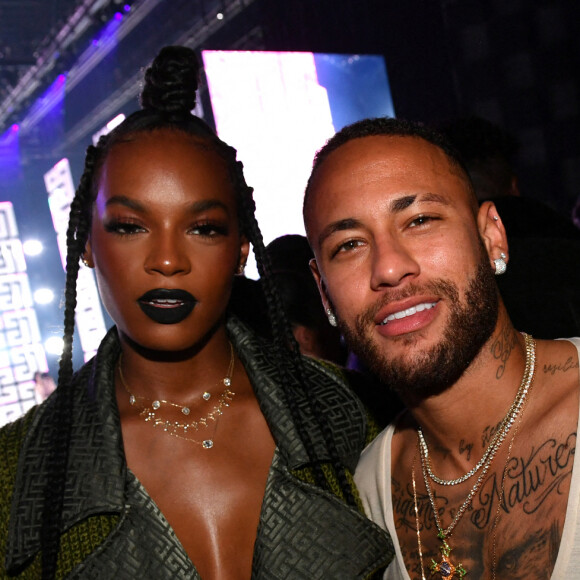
[[243, 257], [87, 256], [492, 232]]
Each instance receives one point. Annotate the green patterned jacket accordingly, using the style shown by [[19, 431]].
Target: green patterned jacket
[[112, 528]]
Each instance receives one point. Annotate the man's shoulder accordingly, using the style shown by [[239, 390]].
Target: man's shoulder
[[559, 368]]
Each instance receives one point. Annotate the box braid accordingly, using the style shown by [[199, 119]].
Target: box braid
[[293, 375], [167, 99]]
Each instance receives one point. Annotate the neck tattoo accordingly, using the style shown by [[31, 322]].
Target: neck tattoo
[[446, 568], [148, 409]]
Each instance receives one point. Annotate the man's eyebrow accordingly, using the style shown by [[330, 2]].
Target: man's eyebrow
[[338, 226], [397, 205], [404, 202]]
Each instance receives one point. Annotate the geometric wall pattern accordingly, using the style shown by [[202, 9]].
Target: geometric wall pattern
[[89, 314], [21, 350]]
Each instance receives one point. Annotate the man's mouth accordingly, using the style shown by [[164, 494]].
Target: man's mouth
[[166, 306], [408, 312]]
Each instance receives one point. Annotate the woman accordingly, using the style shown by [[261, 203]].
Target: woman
[[187, 448]]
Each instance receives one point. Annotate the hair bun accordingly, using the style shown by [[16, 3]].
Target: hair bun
[[171, 81]]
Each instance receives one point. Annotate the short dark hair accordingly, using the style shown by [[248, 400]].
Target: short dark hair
[[386, 127]]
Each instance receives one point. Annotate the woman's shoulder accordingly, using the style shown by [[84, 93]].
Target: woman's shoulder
[[12, 437]]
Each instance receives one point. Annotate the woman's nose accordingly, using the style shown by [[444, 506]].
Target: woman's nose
[[168, 256]]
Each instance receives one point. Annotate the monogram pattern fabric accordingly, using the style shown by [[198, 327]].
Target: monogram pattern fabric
[[113, 529]]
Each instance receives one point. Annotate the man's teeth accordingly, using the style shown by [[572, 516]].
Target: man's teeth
[[167, 301], [409, 311]]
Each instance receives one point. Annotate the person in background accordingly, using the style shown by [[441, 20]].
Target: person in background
[[576, 213], [289, 257], [477, 478], [541, 289], [187, 447], [318, 337], [44, 385]]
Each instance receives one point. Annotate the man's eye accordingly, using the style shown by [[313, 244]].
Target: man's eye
[[347, 246], [420, 220]]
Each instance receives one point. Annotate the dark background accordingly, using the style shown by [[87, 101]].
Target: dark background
[[514, 62]]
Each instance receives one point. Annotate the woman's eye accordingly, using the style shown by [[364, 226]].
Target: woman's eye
[[123, 228], [209, 230]]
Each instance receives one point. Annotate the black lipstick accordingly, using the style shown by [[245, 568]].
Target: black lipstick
[[166, 306]]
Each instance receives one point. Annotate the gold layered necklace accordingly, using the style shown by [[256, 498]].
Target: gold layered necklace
[[149, 408], [446, 568]]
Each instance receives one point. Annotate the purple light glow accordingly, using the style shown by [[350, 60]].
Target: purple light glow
[[118, 16], [127, 8], [15, 128]]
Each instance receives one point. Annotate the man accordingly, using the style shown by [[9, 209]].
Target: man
[[477, 476]]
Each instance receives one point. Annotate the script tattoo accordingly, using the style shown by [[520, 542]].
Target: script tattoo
[[404, 508], [488, 434], [569, 364], [467, 447], [501, 349], [530, 480]]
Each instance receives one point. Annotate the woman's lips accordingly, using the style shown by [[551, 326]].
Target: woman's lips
[[166, 306]]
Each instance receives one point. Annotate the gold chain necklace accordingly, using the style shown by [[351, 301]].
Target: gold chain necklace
[[446, 568], [501, 495], [419, 545], [498, 438], [177, 428]]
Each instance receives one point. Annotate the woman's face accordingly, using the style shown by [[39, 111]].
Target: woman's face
[[165, 240]]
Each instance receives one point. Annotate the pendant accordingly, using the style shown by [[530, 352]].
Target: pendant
[[446, 568]]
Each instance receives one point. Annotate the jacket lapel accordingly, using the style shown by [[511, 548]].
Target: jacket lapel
[[96, 484]]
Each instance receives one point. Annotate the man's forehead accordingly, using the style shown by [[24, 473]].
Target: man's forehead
[[389, 163], [387, 166], [384, 151]]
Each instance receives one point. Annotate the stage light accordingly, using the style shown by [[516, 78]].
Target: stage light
[[127, 8], [32, 247], [15, 128], [43, 296], [220, 16], [118, 16], [54, 345]]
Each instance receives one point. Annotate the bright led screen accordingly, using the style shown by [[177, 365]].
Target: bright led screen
[[278, 108]]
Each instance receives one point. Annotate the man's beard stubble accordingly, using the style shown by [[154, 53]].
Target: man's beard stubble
[[470, 325]]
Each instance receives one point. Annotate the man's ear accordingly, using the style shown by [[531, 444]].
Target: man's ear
[[319, 282], [492, 232]]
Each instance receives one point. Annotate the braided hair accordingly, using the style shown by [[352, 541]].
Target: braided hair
[[167, 100]]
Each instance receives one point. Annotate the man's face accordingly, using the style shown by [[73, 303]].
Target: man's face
[[400, 259]]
